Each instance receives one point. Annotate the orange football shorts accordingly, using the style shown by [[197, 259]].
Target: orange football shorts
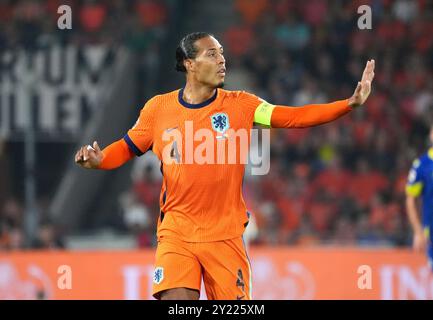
[[223, 265]]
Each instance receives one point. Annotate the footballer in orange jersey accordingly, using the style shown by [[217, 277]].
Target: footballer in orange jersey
[[202, 211]]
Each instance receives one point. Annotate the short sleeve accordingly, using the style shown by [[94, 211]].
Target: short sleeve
[[257, 110], [140, 137], [414, 183]]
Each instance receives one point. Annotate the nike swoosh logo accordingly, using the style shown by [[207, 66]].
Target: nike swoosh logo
[[170, 129], [240, 297]]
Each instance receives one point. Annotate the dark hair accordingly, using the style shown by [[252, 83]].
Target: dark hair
[[187, 49]]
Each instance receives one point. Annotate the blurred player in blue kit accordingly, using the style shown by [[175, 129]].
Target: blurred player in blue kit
[[420, 185]]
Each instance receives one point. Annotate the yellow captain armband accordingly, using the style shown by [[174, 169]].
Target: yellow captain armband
[[427, 232], [263, 113], [414, 189]]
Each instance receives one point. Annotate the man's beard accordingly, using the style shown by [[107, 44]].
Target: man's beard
[[220, 85]]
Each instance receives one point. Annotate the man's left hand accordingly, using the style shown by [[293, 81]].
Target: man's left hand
[[363, 88]]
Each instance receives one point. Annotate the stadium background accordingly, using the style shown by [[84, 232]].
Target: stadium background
[[332, 201]]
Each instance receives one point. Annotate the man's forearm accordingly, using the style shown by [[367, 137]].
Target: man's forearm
[[115, 155], [308, 115]]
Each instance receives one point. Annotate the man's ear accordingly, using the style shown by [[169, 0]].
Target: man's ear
[[189, 65]]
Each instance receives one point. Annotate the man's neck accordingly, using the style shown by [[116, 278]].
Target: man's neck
[[197, 93]]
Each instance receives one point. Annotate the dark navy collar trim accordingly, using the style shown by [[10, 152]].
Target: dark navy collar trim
[[198, 105]]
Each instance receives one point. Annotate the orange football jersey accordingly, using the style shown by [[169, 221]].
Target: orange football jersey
[[201, 196]]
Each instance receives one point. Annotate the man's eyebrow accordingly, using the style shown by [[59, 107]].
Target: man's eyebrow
[[214, 49]]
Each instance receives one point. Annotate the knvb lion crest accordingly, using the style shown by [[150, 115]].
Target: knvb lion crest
[[220, 122], [158, 275]]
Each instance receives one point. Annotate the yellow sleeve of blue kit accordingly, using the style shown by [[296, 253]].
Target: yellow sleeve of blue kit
[[414, 183]]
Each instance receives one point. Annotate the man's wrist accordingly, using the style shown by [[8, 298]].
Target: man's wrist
[[100, 164], [419, 230], [352, 103]]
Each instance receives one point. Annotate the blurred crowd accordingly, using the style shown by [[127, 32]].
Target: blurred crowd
[[12, 234], [139, 25], [30, 23], [337, 184], [341, 183]]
